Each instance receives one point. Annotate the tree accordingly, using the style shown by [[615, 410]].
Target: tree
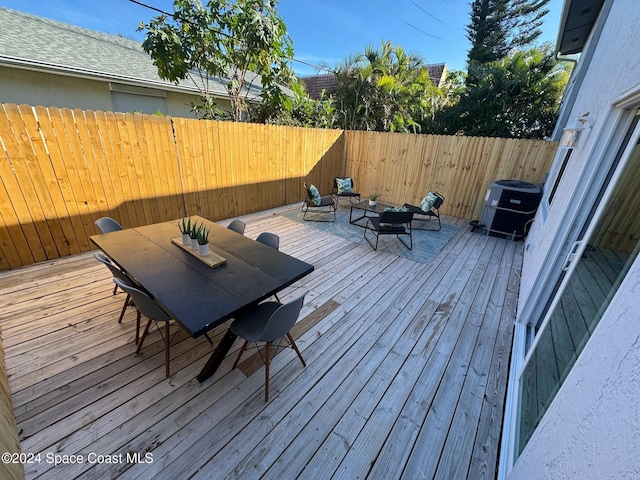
[[500, 26], [236, 42], [516, 97], [384, 89]]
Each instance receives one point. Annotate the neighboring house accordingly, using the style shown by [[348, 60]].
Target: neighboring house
[[49, 63], [572, 403], [316, 84]]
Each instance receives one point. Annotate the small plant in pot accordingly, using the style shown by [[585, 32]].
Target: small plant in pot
[[185, 230], [193, 234], [373, 199], [203, 240]]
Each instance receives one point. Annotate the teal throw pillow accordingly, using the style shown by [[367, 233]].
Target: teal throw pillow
[[344, 185], [315, 196], [428, 201]]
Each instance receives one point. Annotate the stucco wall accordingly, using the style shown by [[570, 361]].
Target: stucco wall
[[592, 428], [50, 90]]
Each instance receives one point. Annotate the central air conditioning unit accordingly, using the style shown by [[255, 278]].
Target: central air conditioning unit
[[509, 208]]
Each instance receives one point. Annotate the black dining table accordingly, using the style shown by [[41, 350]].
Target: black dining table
[[200, 297]]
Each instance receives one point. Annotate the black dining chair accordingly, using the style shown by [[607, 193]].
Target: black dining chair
[[107, 225], [120, 274], [271, 240], [268, 322], [237, 226], [147, 306]]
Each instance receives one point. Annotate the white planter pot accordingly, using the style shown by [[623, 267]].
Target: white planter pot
[[203, 250], [194, 243], [186, 239], [373, 203]]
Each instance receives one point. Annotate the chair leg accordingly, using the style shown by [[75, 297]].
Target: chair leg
[[208, 338], [167, 341], [144, 334], [242, 349], [267, 360], [124, 307], [115, 289], [138, 327], [295, 347]]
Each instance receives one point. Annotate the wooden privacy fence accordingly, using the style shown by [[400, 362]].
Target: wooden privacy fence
[[404, 167], [63, 169]]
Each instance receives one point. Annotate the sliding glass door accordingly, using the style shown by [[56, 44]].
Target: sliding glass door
[[606, 246]]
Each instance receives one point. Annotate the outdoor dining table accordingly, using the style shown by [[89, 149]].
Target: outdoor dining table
[[200, 297]]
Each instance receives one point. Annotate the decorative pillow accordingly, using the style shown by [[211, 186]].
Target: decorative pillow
[[428, 201], [394, 209], [344, 185], [316, 199]]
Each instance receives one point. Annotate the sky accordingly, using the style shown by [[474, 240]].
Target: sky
[[324, 32]]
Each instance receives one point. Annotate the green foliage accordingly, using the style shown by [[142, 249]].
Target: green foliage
[[193, 233], [233, 42], [202, 234], [384, 89], [297, 109], [516, 97], [498, 27], [185, 225]]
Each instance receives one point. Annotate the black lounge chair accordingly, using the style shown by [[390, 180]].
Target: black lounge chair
[[348, 192], [390, 223], [323, 205], [432, 213]]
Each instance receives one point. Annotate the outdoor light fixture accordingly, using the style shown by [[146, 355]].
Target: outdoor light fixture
[[572, 133]]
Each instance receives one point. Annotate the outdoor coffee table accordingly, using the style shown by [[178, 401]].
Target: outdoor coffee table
[[366, 210]]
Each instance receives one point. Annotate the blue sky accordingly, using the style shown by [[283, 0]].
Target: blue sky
[[323, 31]]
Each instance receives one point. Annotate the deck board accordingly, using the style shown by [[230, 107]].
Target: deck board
[[406, 369]]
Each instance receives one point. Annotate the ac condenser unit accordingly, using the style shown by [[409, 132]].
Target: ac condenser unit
[[509, 207]]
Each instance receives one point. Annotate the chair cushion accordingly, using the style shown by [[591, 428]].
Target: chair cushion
[[315, 199], [344, 185], [428, 201]]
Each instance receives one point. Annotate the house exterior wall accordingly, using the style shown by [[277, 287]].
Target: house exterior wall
[[29, 87], [591, 427]]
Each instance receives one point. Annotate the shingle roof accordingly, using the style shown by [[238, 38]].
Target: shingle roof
[[315, 84], [33, 42]]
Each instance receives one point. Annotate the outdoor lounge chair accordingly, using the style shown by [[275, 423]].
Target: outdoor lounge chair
[[390, 223], [267, 322], [318, 204], [343, 187], [433, 212]]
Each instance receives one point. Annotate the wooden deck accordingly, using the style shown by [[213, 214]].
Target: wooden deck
[[406, 371]]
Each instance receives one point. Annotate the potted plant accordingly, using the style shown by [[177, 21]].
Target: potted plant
[[193, 235], [185, 230], [203, 240], [373, 199]]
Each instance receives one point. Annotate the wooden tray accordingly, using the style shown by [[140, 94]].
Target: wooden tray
[[213, 259]]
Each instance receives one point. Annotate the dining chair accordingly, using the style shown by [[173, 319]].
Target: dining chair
[[237, 226], [107, 224], [271, 240], [147, 306], [120, 274], [268, 322]]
